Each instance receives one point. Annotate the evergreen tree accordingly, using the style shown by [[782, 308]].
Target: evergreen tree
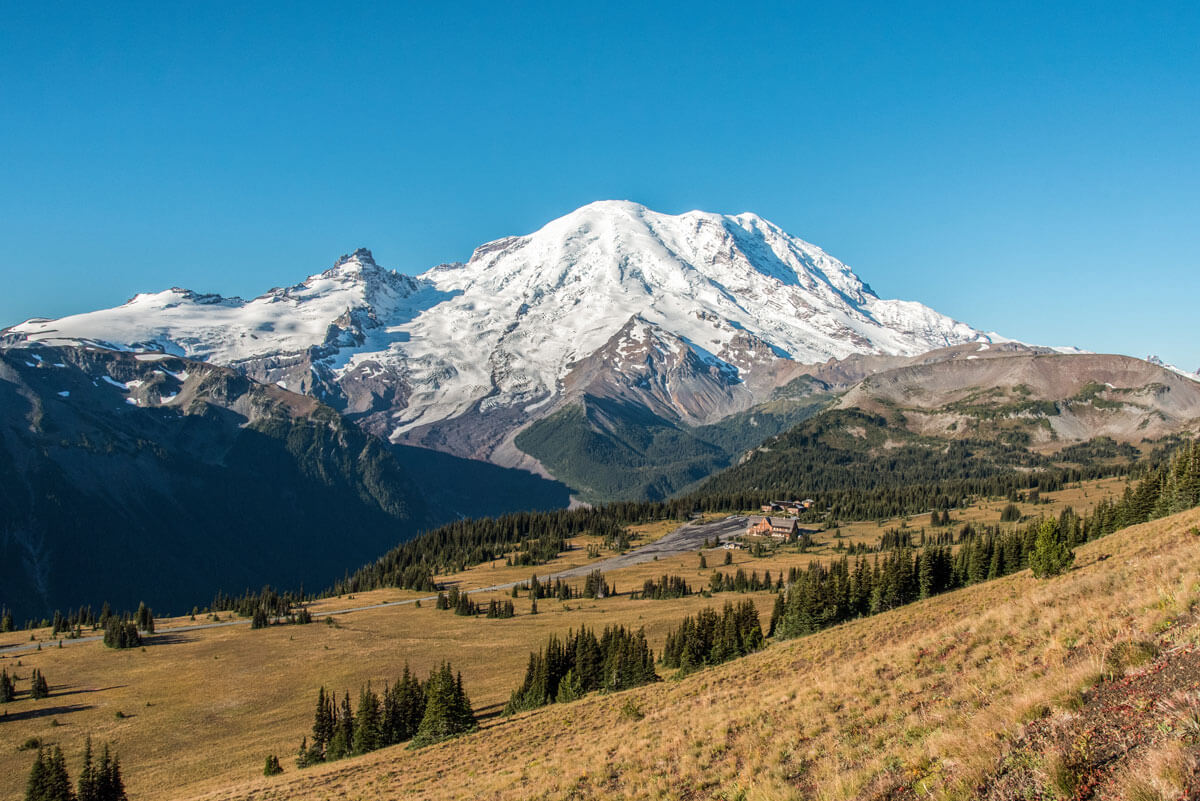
[[339, 746], [121, 634], [8, 689], [88, 787], [48, 779], [463, 605], [447, 708], [307, 755], [925, 573], [342, 740], [709, 639], [39, 687], [324, 721], [569, 689], [368, 723], [1050, 556], [410, 707], [109, 786], [272, 766], [144, 619], [776, 613], [36, 785]]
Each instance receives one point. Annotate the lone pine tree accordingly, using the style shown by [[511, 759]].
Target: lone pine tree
[[1050, 556]]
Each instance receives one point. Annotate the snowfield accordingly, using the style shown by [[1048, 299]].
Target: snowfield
[[508, 325]]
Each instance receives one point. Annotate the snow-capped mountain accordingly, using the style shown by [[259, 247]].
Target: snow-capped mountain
[[694, 315]]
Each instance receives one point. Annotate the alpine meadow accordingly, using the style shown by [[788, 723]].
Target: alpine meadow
[[554, 495]]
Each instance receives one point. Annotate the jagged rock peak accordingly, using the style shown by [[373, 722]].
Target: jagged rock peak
[[362, 256]]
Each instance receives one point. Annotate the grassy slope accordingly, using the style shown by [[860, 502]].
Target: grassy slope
[[925, 698], [205, 710]]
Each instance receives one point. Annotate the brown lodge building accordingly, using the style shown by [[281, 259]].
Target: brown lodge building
[[784, 528]]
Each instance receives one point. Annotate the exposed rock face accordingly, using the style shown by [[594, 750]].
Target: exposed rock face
[[1055, 399]]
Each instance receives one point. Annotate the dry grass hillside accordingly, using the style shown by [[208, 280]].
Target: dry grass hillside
[[917, 695], [928, 700]]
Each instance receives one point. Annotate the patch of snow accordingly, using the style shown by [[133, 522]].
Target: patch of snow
[[66, 393], [115, 382], [152, 357], [1182, 372], [132, 401]]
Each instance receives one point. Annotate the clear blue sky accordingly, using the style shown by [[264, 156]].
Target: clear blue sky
[[1028, 168]]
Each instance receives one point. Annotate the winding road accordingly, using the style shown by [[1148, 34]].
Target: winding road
[[687, 538]]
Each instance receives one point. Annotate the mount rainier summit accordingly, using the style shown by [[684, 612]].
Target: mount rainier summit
[[693, 317]]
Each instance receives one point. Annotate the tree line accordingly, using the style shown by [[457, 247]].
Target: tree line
[[820, 456], [268, 600], [564, 670], [854, 486], [912, 480], [409, 710], [98, 780], [710, 639], [828, 594], [664, 588], [594, 586], [740, 581]]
